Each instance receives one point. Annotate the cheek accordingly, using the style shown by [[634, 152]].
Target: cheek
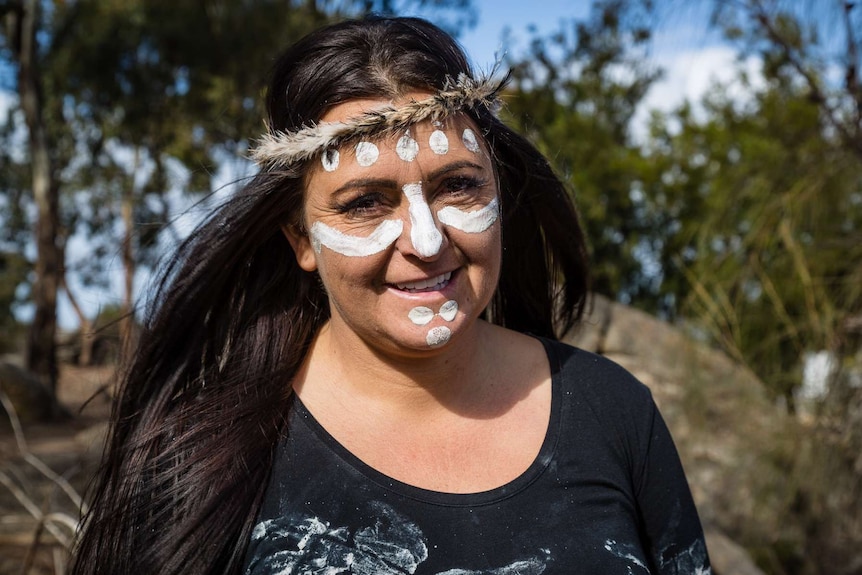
[[483, 249], [339, 273]]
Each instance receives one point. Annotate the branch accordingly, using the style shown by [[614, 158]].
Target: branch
[[760, 15], [49, 520], [34, 461], [85, 323], [851, 77]]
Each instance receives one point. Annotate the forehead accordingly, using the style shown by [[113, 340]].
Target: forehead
[[412, 152]]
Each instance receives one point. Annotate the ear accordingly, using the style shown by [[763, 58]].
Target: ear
[[301, 244]]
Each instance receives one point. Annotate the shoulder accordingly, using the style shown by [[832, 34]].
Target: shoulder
[[602, 403], [594, 375]]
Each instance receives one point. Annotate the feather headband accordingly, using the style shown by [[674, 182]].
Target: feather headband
[[282, 149]]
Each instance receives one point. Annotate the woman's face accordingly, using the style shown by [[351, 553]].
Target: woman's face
[[404, 232]]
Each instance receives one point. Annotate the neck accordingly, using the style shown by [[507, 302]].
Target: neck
[[453, 377]]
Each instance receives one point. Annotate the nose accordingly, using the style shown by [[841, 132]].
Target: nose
[[426, 239]]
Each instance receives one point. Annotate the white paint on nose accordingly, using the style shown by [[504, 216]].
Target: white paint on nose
[[424, 234]]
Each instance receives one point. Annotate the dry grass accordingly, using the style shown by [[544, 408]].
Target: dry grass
[[44, 469]]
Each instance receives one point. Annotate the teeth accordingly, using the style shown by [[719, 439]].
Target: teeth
[[433, 283]]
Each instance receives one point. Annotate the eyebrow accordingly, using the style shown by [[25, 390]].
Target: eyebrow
[[385, 183], [455, 166], [365, 183]]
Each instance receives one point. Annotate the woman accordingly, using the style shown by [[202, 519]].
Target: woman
[[336, 375]]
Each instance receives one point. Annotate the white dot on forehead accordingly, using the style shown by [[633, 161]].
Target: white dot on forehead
[[470, 141], [366, 154], [329, 159], [438, 142], [407, 148]]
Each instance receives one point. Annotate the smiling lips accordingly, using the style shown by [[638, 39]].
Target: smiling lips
[[431, 284]]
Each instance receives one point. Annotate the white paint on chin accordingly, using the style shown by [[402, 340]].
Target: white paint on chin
[[353, 246], [473, 222], [424, 234], [366, 154], [470, 141], [407, 148], [421, 315], [329, 159], [448, 310], [438, 142], [438, 336]]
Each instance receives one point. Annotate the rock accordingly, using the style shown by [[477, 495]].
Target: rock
[[727, 557], [590, 333], [716, 409]]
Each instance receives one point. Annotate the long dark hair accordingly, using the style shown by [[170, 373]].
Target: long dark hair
[[203, 400]]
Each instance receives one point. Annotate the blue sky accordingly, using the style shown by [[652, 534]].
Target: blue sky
[[483, 41], [692, 55], [681, 25]]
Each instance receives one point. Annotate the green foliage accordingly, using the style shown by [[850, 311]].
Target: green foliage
[[762, 200], [575, 93], [745, 218], [766, 208]]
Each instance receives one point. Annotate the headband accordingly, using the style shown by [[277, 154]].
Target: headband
[[282, 149]]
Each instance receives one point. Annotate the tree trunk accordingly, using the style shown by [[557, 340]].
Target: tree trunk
[[88, 336], [41, 347]]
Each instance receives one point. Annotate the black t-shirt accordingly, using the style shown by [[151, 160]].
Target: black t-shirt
[[606, 494]]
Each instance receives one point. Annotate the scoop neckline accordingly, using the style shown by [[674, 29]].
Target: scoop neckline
[[532, 473]]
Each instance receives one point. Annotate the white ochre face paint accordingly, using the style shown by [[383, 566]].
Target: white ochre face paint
[[422, 315], [438, 336], [424, 234], [329, 159], [438, 142], [470, 141], [407, 148], [354, 246], [448, 310], [366, 154], [473, 222]]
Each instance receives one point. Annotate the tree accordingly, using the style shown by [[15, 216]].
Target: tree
[[22, 21], [816, 44], [575, 94], [764, 204], [136, 94], [762, 200]]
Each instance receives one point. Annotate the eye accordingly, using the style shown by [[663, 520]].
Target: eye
[[368, 204], [462, 185]]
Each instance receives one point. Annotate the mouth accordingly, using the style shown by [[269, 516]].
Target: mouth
[[431, 284]]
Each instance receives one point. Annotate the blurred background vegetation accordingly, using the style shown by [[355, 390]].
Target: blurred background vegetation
[[737, 218]]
